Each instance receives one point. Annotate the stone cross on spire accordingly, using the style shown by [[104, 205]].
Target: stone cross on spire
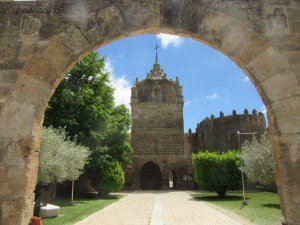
[[156, 59]]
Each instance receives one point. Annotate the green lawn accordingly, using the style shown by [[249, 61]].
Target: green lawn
[[82, 207], [263, 207]]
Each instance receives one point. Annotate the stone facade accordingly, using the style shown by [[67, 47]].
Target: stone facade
[[157, 132], [41, 41]]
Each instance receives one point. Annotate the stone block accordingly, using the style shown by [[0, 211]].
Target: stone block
[[8, 77], [291, 57], [59, 54], [36, 66], [230, 35], [17, 210], [286, 147], [250, 45], [14, 154], [74, 39], [266, 64], [4, 185], [291, 203], [43, 70], [288, 86], [295, 26], [296, 71], [16, 118], [293, 10], [285, 114], [31, 90], [5, 90]]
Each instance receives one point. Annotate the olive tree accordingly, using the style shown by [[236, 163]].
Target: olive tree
[[59, 158], [258, 160]]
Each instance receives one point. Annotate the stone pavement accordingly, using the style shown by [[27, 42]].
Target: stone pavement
[[158, 208]]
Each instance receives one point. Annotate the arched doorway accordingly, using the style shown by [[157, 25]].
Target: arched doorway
[[172, 180], [150, 177]]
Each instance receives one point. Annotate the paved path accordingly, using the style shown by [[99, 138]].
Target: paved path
[[158, 208]]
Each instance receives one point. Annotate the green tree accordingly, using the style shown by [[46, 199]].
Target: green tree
[[118, 134], [217, 172], [59, 158], [84, 104], [258, 160], [104, 169]]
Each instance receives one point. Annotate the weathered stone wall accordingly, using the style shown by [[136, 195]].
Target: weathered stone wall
[[181, 164], [167, 89], [191, 143], [157, 128], [220, 134], [41, 41]]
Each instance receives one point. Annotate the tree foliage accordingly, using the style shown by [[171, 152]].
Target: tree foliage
[[258, 160], [59, 158], [217, 172], [84, 104]]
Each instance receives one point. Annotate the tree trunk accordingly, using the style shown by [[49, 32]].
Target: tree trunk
[[54, 189]]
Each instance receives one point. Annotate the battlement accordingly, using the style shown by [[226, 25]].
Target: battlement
[[234, 115]]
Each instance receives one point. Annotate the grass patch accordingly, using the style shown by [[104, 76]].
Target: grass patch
[[82, 207], [263, 207]]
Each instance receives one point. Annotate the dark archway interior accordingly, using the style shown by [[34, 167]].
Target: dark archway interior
[[150, 177]]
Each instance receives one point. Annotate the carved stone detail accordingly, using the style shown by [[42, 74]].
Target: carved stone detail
[[30, 28], [277, 20], [156, 93]]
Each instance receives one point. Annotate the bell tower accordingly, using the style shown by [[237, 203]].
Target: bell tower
[[157, 114]]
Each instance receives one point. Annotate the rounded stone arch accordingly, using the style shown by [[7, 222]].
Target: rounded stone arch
[[29, 80]]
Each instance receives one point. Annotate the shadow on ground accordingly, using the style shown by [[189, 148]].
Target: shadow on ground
[[218, 199], [275, 206]]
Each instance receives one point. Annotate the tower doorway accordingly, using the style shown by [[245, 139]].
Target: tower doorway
[[150, 177], [172, 180]]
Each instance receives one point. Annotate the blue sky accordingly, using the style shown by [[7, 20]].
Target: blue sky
[[211, 81]]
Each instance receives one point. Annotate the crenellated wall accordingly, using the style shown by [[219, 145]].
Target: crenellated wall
[[220, 134]]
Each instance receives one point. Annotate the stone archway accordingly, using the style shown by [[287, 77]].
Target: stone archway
[[150, 177], [41, 41]]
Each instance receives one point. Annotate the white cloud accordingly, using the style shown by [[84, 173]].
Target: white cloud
[[188, 103], [122, 86], [211, 97], [263, 109], [246, 79], [167, 39]]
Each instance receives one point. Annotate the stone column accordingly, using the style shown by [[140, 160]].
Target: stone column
[[21, 118], [18, 173], [286, 154]]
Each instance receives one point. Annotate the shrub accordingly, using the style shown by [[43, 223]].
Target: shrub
[[217, 172], [109, 177]]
